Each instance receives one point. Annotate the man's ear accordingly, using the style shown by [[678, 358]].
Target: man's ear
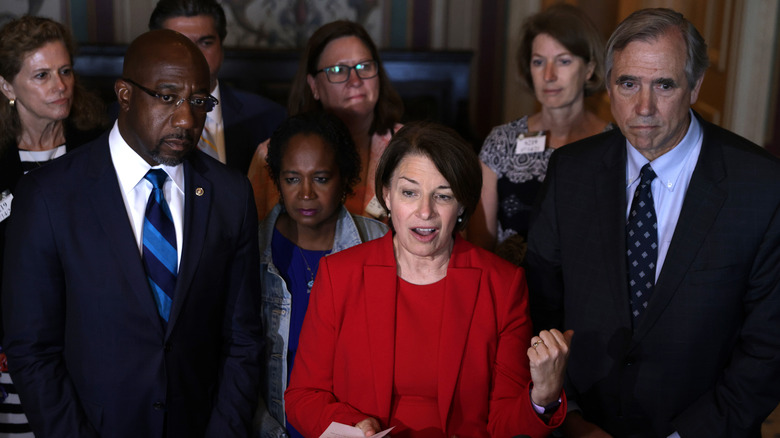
[[696, 89], [122, 90]]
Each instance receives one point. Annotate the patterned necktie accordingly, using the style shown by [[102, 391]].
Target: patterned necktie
[[642, 243], [208, 143], [159, 244]]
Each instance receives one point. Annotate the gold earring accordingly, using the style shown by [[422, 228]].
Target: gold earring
[[12, 102]]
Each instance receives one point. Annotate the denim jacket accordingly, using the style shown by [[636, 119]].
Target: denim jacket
[[351, 230]]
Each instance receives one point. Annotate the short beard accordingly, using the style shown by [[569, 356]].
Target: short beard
[[171, 161]]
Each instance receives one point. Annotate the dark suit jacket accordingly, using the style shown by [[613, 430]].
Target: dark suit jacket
[[11, 170], [249, 120], [87, 349], [344, 363], [704, 359]]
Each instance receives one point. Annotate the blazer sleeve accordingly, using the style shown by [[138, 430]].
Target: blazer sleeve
[[310, 404], [237, 390], [34, 317], [511, 412]]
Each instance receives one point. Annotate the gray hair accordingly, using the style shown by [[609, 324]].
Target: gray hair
[[651, 24]]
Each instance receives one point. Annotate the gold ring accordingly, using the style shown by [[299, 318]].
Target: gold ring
[[537, 343]]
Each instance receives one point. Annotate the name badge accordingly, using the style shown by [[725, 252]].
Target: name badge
[[530, 143], [374, 208], [5, 204]]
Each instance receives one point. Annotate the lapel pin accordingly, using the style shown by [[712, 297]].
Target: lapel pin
[[199, 191]]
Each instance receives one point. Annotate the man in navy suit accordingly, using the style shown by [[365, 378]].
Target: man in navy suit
[[89, 348], [677, 326], [243, 120]]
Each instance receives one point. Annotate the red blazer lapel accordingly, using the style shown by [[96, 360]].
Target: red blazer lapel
[[380, 288], [462, 288]]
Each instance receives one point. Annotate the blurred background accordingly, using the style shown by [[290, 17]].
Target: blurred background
[[740, 90]]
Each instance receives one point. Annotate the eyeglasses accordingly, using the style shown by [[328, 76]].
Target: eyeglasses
[[338, 74], [200, 104]]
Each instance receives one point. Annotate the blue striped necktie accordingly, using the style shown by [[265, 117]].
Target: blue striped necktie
[[159, 241]]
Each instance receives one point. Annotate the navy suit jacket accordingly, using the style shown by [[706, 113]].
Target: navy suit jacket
[[704, 359], [249, 120], [86, 347]]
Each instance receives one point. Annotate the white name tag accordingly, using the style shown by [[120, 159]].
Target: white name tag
[[530, 144], [374, 209], [5, 204]]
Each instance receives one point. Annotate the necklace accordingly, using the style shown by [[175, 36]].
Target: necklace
[[310, 283]]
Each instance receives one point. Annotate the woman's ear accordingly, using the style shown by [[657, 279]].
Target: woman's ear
[[7, 89], [313, 86], [590, 69]]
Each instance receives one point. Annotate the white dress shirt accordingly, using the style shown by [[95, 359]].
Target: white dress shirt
[[216, 128], [130, 170], [673, 175]]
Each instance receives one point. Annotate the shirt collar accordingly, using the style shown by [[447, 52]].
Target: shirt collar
[[131, 168], [669, 166], [216, 113]]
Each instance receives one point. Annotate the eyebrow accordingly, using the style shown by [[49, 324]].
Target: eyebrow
[[168, 87], [666, 81], [415, 182], [660, 81], [316, 172], [207, 38], [626, 78]]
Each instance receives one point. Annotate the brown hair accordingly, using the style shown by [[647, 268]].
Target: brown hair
[[389, 107], [573, 30], [20, 37], [453, 157]]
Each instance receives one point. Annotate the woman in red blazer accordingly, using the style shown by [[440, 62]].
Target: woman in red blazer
[[421, 330]]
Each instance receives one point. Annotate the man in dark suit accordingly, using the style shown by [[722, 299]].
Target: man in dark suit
[[659, 245], [243, 120], [132, 268]]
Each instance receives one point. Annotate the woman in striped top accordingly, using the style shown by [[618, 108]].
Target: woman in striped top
[[43, 114]]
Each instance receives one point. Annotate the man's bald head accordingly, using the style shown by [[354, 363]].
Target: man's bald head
[[162, 71], [151, 47]]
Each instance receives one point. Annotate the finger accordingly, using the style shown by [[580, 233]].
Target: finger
[[537, 341], [369, 426], [568, 336], [556, 340], [554, 337]]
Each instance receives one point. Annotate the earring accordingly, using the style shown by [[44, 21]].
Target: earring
[[12, 102], [344, 197], [460, 219], [388, 214]]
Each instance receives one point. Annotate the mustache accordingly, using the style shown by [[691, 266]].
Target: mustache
[[183, 136]]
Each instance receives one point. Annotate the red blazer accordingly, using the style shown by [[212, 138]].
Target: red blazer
[[344, 364]]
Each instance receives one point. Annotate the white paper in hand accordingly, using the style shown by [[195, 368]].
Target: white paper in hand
[[338, 430]]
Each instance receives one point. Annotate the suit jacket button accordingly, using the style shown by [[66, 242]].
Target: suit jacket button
[[629, 361], [168, 347], [158, 406]]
